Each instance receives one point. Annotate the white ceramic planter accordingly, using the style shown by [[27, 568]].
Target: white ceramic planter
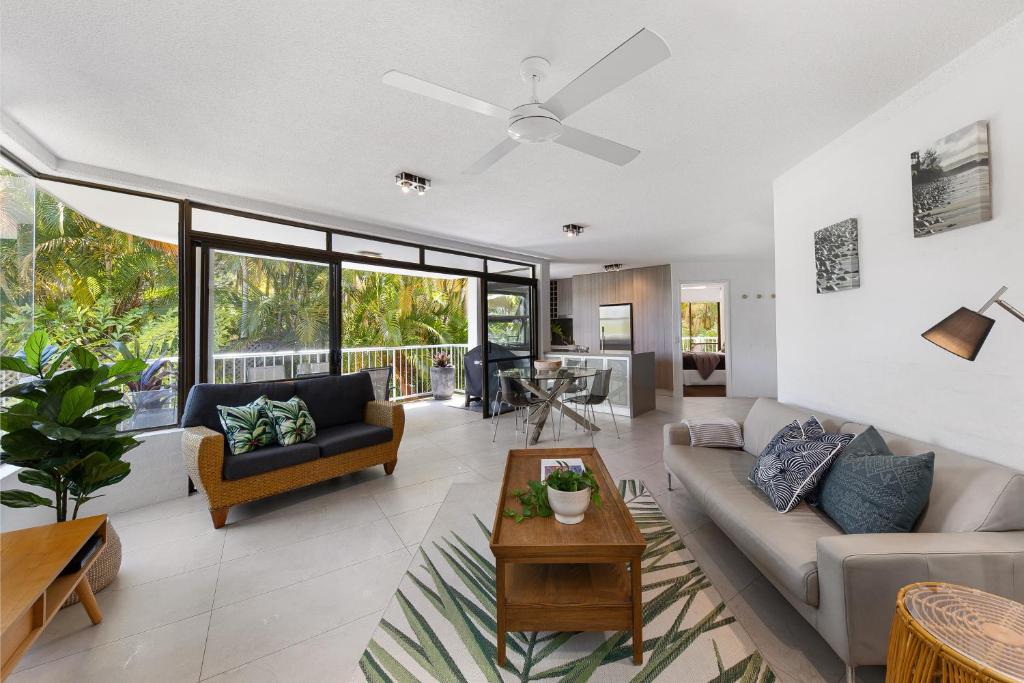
[[569, 506]]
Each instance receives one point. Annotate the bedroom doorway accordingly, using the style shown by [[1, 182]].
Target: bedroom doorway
[[703, 337]]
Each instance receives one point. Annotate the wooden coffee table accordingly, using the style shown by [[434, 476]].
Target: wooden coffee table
[[561, 577]]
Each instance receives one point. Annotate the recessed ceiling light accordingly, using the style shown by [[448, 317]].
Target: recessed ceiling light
[[572, 230], [410, 182]]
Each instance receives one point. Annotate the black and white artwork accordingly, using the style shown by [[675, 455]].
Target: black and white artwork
[[950, 180], [836, 257]]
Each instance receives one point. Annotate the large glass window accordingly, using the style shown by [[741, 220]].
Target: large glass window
[[97, 269], [270, 318], [508, 317], [701, 326], [403, 319]]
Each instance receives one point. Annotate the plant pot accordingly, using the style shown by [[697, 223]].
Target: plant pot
[[569, 506], [104, 570], [442, 382]]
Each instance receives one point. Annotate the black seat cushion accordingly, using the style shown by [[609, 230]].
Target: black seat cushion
[[264, 460], [203, 399], [337, 399], [344, 438]]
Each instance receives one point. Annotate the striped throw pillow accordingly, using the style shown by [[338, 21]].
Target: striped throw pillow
[[715, 432]]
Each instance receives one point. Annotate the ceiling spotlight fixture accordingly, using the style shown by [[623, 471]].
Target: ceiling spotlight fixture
[[613, 267], [410, 182], [572, 230]]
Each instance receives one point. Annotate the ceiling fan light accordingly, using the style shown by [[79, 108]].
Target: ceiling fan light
[[533, 123]]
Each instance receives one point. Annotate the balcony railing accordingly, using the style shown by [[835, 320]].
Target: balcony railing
[[700, 344], [411, 365]]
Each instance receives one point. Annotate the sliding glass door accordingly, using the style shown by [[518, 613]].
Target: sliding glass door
[[508, 330]]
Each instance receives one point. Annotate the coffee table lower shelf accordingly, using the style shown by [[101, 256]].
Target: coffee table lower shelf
[[569, 597]]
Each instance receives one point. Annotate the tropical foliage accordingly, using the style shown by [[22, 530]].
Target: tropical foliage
[[700, 319], [62, 425], [444, 621]]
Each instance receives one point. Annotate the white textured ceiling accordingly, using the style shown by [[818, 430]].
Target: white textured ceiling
[[282, 102]]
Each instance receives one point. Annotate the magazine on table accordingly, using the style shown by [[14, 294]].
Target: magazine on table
[[549, 465]]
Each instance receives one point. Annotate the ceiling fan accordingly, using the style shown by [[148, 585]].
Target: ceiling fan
[[542, 122]]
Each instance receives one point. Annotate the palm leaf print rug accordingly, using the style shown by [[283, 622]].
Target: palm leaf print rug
[[440, 626]]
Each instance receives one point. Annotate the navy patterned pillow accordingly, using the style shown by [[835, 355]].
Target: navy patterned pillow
[[794, 431], [869, 490], [796, 469], [782, 438]]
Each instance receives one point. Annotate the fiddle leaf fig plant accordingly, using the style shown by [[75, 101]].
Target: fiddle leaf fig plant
[[61, 427]]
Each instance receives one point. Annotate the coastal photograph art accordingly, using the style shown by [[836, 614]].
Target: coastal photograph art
[[950, 181], [836, 256]]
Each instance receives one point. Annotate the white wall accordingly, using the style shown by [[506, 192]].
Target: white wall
[[158, 474], [859, 353], [749, 324]]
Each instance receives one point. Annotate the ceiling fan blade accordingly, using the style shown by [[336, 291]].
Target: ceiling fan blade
[[624, 63], [419, 86], [489, 159], [596, 146]]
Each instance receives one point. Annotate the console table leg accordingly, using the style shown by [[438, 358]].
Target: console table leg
[[635, 571], [499, 576], [88, 600]]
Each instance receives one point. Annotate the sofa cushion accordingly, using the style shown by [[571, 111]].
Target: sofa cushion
[[968, 493], [767, 416], [337, 399], [247, 427], [344, 438], [869, 490], [789, 476], [292, 422], [201, 406], [783, 547], [268, 459]]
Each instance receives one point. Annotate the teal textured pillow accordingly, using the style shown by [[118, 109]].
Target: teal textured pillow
[[247, 427], [292, 420], [869, 490]]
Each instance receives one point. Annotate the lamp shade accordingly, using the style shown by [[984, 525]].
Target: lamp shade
[[962, 333]]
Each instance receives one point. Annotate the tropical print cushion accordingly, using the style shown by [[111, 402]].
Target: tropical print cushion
[[247, 427], [292, 421], [795, 469]]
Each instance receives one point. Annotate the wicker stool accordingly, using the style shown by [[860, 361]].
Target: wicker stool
[[943, 632]]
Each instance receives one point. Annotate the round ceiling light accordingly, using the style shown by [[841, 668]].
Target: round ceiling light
[[533, 123]]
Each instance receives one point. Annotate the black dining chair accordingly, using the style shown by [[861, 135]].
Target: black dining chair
[[381, 378], [513, 395], [600, 388]]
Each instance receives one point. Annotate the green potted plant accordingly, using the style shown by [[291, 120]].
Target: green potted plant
[[442, 376], [60, 422], [565, 493]]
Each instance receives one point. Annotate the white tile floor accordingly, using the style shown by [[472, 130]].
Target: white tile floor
[[292, 588]]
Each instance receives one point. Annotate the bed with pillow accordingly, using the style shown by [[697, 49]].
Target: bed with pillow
[[694, 375]]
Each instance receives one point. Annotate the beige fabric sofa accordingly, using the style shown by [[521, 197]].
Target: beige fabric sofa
[[845, 585]]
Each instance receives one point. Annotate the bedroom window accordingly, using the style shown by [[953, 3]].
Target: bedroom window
[[701, 326]]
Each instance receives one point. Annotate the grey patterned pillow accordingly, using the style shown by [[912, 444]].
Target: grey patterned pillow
[[793, 472], [870, 490]]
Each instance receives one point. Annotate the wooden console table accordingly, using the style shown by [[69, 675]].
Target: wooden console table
[[31, 562]]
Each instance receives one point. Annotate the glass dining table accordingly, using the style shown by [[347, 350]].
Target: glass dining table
[[549, 386]]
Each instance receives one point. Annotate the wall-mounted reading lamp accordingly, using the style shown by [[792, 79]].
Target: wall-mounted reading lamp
[[964, 331]]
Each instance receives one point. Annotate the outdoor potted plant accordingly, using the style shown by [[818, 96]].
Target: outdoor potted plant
[[442, 376], [61, 430], [565, 493]]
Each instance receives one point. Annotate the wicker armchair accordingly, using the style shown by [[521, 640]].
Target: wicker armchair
[[204, 454]]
